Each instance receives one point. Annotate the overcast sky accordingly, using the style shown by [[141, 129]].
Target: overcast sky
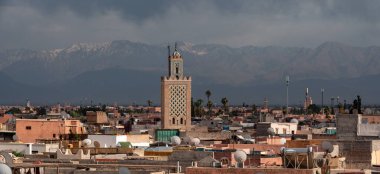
[[45, 24]]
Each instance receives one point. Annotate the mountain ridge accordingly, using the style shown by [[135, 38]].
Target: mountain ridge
[[211, 65]]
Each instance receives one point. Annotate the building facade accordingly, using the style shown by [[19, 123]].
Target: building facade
[[175, 95], [31, 130]]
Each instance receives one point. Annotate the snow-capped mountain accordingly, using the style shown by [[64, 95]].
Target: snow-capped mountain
[[209, 64]]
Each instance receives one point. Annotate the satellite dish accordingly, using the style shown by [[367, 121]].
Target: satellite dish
[[4, 169], [86, 142], [175, 140], [124, 170], [282, 140], [294, 120], [187, 140], [195, 141], [96, 144], [15, 137], [240, 156], [327, 146], [270, 131]]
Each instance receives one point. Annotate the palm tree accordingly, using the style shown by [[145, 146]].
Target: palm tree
[[149, 102], [198, 106], [208, 94], [209, 103], [225, 104]]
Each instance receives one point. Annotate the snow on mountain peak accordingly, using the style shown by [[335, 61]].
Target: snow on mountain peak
[[87, 47]]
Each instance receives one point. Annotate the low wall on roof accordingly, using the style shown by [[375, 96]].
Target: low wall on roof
[[204, 170]]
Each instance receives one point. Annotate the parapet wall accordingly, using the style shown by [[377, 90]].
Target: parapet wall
[[204, 170]]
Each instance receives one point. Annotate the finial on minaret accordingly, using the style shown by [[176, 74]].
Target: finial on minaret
[[175, 46], [168, 50]]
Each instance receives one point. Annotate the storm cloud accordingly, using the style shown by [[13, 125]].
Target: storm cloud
[[46, 24]]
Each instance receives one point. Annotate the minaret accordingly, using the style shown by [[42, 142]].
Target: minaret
[[308, 100], [175, 64], [265, 103], [175, 94]]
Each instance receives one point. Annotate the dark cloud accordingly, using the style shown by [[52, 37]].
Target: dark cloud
[[42, 24]]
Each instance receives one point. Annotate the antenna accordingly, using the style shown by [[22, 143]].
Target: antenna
[[287, 79], [322, 91], [175, 46], [168, 50]]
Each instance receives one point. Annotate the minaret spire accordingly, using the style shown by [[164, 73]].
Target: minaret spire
[[175, 46], [168, 50]]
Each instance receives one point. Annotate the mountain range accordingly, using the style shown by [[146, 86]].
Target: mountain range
[[128, 72]]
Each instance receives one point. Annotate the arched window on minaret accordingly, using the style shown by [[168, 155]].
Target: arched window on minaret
[[181, 120], [173, 121]]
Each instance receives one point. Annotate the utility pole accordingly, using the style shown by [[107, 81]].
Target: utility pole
[[322, 91], [287, 94]]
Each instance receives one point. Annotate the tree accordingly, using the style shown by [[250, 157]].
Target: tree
[[327, 111], [40, 111], [359, 104], [104, 107], [209, 103], [13, 110], [208, 94], [254, 109], [198, 107], [224, 102], [313, 109], [150, 102]]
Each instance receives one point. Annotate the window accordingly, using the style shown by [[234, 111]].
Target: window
[[173, 121], [28, 127], [176, 70], [181, 120], [284, 130], [53, 135]]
